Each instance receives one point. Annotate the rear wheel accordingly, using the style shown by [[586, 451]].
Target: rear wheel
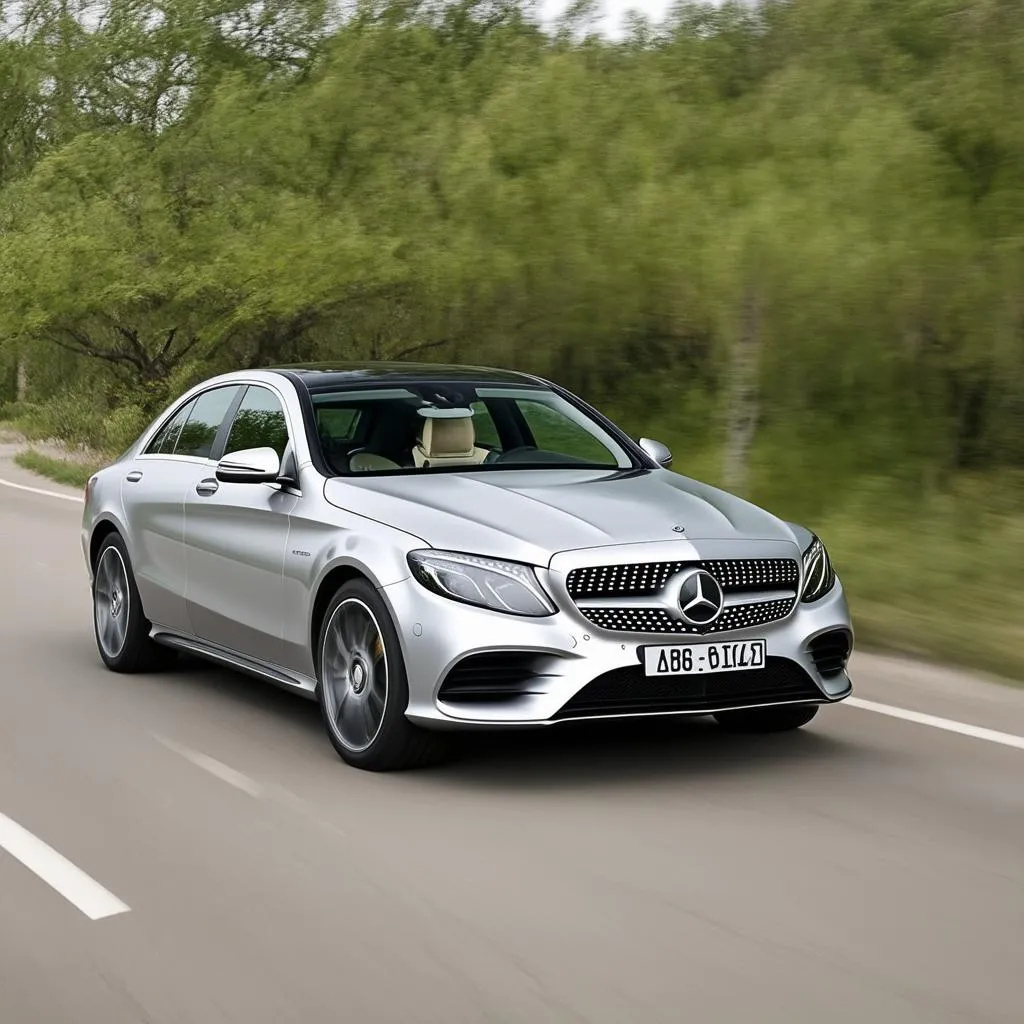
[[122, 630], [363, 689], [778, 719]]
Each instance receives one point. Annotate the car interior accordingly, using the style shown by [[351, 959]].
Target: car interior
[[410, 433]]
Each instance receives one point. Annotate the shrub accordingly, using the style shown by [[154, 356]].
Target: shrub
[[122, 426]]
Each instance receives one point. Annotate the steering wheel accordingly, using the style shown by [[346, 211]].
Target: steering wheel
[[513, 451]]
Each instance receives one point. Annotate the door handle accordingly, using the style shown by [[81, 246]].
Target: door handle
[[207, 487], [134, 477]]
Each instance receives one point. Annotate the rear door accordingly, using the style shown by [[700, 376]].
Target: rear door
[[153, 493], [236, 535]]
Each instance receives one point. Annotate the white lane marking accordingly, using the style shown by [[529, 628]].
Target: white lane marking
[[948, 724], [58, 872], [271, 792], [39, 490], [216, 768]]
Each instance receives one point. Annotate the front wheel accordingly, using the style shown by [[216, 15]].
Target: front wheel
[[362, 687], [761, 720]]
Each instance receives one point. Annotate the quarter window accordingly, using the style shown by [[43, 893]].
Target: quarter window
[[167, 435], [259, 423]]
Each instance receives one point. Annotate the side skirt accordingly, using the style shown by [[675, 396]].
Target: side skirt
[[291, 681]]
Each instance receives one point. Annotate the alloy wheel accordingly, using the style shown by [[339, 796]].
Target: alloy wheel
[[354, 674], [111, 602]]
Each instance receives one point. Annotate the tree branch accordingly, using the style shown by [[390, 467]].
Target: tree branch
[[81, 344], [423, 347], [167, 344]]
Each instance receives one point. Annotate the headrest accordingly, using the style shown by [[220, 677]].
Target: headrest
[[448, 438]]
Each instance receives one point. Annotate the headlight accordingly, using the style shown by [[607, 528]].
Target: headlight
[[819, 576], [485, 582]]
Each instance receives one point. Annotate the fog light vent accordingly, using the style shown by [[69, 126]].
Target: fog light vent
[[831, 651]]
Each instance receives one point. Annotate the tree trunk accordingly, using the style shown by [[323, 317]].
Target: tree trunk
[[743, 395], [21, 392]]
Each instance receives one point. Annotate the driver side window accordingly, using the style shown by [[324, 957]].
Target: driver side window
[[484, 427], [555, 432], [259, 423]]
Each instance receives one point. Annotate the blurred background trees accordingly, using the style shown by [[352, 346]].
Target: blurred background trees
[[785, 236]]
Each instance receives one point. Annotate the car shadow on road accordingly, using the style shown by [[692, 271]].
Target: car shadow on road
[[573, 755], [627, 751]]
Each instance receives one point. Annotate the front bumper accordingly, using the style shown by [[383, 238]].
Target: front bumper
[[569, 653]]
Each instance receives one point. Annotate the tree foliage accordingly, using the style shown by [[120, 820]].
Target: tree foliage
[[801, 218]]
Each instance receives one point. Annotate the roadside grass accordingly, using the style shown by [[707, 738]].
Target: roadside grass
[[942, 584], [930, 571], [70, 472]]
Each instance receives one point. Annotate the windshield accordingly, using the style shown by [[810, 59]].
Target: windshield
[[431, 427]]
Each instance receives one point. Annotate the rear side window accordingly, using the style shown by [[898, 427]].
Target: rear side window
[[167, 435], [200, 429], [259, 423]]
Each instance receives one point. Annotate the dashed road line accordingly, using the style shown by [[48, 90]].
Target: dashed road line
[[58, 872], [271, 792], [216, 768]]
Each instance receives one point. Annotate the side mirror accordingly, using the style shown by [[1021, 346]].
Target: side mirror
[[251, 466], [657, 451]]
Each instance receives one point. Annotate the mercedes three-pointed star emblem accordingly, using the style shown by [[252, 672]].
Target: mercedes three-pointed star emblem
[[700, 598]]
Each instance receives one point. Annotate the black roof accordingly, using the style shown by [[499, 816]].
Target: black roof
[[317, 376]]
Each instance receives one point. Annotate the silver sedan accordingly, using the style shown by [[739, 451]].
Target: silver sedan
[[431, 548]]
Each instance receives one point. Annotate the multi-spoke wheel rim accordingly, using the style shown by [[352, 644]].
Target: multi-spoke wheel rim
[[111, 602], [354, 674]]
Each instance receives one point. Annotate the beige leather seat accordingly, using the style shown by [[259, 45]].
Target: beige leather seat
[[448, 442]]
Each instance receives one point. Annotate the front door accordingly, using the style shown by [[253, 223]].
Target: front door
[[236, 535]]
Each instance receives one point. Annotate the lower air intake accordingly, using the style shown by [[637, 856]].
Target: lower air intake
[[491, 677], [628, 691]]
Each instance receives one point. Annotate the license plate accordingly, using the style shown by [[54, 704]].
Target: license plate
[[700, 659]]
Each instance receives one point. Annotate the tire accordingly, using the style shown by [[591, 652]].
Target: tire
[[119, 624], [764, 720], [363, 689]]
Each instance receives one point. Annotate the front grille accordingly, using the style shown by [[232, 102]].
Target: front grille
[[629, 691], [658, 620], [734, 574], [592, 586], [489, 677], [831, 651]]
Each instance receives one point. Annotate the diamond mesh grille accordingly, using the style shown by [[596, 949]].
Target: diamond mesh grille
[[658, 620], [735, 575]]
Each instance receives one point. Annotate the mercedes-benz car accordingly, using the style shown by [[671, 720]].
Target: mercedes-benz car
[[427, 548]]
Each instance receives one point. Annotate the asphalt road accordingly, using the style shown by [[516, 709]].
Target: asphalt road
[[223, 865]]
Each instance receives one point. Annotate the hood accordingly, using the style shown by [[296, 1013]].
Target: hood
[[531, 515]]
